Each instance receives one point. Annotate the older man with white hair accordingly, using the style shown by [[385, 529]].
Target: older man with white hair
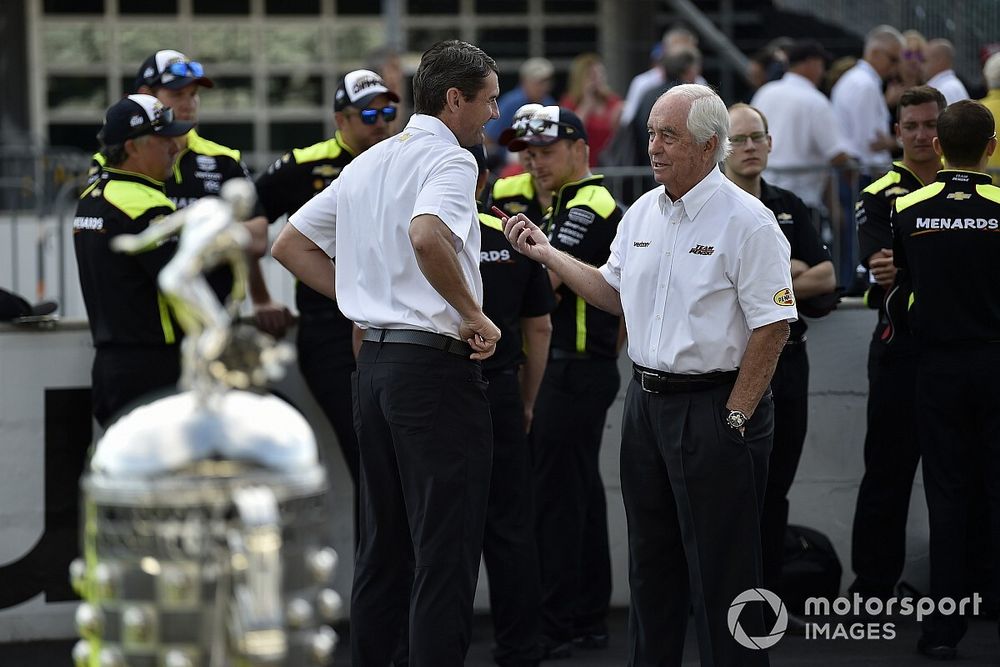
[[701, 272]]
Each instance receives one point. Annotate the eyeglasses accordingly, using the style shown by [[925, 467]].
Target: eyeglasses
[[182, 68], [756, 137], [370, 116]]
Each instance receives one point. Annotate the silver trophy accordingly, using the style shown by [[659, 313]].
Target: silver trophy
[[203, 510]]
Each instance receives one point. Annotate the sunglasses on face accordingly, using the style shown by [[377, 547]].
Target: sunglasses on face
[[370, 116], [539, 125]]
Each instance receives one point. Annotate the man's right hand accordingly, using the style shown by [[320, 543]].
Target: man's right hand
[[481, 335], [526, 237], [882, 268]]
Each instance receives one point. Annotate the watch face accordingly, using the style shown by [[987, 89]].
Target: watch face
[[736, 419]]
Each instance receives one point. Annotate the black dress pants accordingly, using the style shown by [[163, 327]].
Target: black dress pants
[[572, 518], [878, 544], [693, 488], [958, 423], [790, 388], [425, 437], [509, 548]]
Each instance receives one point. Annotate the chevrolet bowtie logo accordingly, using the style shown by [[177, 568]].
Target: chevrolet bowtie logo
[[959, 196], [702, 250]]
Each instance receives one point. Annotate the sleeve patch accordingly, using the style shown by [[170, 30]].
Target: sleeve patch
[[783, 297]]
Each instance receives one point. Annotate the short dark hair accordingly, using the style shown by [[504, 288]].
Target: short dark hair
[[917, 95], [449, 64], [964, 129]]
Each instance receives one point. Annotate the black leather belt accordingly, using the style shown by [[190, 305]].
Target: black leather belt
[[413, 337], [659, 382]]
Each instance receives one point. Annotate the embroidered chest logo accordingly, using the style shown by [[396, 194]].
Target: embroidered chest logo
[[206, 163], [640, 244], [959, 196], [784, 218], [702, 250]]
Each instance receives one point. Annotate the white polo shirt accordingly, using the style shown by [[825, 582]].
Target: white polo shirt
[[950, 86], [805, 131], [363, 219], [697, 275], [862, 112]]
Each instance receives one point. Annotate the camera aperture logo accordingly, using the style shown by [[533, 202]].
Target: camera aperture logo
[[780, 623]]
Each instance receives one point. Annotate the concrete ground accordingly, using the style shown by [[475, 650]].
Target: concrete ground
[[980, 647]]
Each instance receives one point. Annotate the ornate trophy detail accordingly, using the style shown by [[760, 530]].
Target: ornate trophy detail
[[203, 510]]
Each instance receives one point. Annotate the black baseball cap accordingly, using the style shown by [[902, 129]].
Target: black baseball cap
[[171, 69], [137, 115], [359, 88], [546, 126]]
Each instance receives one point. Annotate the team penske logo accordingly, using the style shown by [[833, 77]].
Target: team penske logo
[[702, 250], [988, 224], [784, 297], [959, 196]]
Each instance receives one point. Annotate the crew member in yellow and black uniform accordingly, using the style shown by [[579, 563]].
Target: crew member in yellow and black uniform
[[134, 333], [518, 298], [202, 166], [364, 110], [580, 384], [946, 240], [878, 548], [520, 193]]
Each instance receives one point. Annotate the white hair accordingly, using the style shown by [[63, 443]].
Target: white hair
[[707, 116], [882, 37], [991, 71]]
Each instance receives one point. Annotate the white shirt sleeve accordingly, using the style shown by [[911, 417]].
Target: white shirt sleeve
[[449, 194], [763, 278], [317, 219]]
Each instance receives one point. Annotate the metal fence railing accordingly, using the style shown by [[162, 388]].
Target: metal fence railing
[[39, 188]]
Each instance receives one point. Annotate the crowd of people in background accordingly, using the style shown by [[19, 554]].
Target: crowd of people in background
[[769, 156]]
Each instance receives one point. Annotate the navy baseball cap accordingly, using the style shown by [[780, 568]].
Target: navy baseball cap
[[359, 88], [547, 126], [137, 115], [171, 69]]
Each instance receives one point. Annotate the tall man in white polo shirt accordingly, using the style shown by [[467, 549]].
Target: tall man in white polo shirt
[[804, 122], [701, 272], [402, 226]]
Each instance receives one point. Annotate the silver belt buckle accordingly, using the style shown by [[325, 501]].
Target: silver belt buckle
[[642, 382]]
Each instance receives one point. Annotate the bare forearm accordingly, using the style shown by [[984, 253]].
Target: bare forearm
[[255, 280], [815, 280], [757, 366], [305, 260], [258, 236], [438, 262], [585, 280]]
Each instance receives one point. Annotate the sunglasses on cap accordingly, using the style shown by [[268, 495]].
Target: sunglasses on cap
[[370, 116], [184, 68], [163, 118], [539, 125]]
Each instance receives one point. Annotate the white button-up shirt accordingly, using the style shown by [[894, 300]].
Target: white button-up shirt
[[363, 219], [697, 275], [862, 112], [950, 86], [804, 127]]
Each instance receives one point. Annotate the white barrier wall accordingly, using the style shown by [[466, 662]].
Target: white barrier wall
[[44, 378]]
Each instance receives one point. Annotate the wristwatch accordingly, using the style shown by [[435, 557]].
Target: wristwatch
[[736, 420]]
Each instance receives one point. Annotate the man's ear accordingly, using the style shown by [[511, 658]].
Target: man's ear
[[937, 146], [453, 99], [712, 144], [991, 147]]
